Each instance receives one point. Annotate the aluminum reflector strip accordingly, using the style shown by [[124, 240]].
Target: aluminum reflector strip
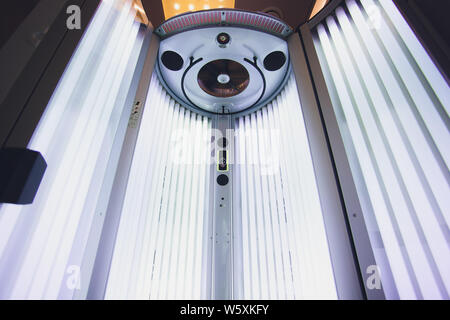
[[283, 243], [160, 246], [392, 104], [43, 246]]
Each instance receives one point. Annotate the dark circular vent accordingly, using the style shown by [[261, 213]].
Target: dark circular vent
[[274, 61], [172, 60], [223, 180], [223, 78]]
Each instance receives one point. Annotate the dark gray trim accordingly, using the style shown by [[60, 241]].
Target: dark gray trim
[[26, 101], [352, 208], [23, 43]]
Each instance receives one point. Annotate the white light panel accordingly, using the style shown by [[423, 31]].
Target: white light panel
[[159, 250], [285, 252], [42, 245], [392, 107]]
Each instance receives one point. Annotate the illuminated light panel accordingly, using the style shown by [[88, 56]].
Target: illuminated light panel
[[159, 251], [318, 6], [392, 108], [42, 242], [175, 7], [285, 252]]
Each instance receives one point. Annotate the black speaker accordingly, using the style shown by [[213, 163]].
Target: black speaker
[[21, 173], [172, 60], [274, 61]]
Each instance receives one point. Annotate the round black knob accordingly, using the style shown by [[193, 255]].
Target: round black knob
[[223, 180]]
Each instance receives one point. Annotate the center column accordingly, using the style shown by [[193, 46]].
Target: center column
[[222, 215]]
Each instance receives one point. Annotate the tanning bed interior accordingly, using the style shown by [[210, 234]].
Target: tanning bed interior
[[182, 163]]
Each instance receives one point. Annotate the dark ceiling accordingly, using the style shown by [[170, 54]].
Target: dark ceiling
[[295, 12]]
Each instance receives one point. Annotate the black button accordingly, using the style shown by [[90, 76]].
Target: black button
[[223, 180]]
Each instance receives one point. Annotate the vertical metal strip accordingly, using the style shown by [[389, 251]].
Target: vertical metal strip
[[100, 273], [223, 207], [348, 280]]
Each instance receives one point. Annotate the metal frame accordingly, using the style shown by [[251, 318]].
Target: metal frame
[[110, 226]]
